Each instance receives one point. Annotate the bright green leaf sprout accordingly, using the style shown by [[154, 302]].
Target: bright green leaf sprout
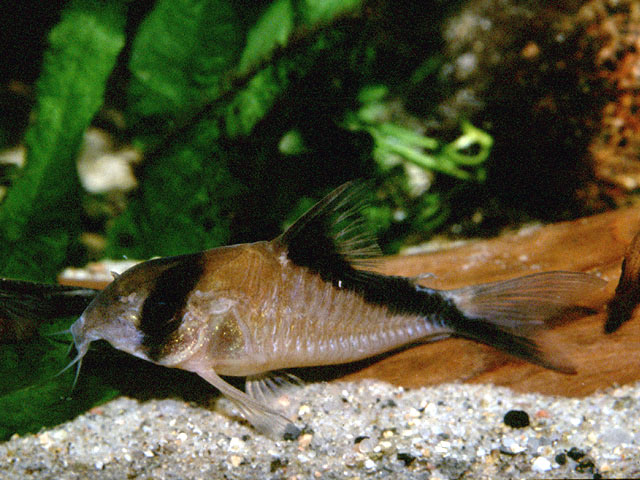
[[419, 157], [395, 144]]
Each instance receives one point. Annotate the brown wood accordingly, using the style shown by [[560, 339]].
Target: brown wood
[[596, 244]]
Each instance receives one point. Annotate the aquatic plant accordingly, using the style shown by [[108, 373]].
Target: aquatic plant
[[221, 98]]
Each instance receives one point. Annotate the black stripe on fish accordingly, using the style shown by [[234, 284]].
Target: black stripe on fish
[[401, 295], [483, 331], [164, 307], [329, 240]]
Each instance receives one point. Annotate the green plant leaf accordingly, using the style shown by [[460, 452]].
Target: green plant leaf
[[187, 193], [41, 209], [180, 57], [181, 51], [324, 11], [278, 22], [251, 104], [273, 30], [270, 32], [184, 203]]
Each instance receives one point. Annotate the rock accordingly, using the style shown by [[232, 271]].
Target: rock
[[541, 464]]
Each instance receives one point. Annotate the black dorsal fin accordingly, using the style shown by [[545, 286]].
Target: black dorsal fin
[[331, 238], [332, 234]]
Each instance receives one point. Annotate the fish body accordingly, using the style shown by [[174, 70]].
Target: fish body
[[627, 296], [252, 311], [307, 298]]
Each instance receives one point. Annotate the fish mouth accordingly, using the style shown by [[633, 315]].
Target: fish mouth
[[80, 340], [81, 343]]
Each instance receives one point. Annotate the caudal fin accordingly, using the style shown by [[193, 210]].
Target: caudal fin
[[514, 315]]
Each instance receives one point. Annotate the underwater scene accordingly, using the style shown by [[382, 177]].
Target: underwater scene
[[294, 239]]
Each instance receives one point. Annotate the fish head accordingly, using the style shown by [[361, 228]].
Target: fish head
[[141, 308]]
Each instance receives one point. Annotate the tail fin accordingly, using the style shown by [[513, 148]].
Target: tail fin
[[513, 315]]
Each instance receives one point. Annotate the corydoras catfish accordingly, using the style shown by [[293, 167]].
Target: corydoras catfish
[[306, 298]]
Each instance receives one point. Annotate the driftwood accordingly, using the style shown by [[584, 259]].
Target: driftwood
[[595, 244]]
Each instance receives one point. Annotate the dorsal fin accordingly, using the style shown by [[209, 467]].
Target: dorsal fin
[[331, 238], [332, 235]]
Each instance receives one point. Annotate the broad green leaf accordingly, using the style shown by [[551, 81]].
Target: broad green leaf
[[184, 203], [270, 32], [273, 29], [250, 105], [41, 209], [324, 11], [187, 193], [276, 25], [179, 55]]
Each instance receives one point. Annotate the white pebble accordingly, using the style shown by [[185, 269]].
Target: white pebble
[[511, 446], [236, 444], [575, 421], [366, 445], [413, 413], [60, 435], [304, 410], [430, 410], [541, 464], [443, 447], [45, 440]]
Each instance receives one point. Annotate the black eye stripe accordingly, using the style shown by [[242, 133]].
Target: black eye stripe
[[164, 306]]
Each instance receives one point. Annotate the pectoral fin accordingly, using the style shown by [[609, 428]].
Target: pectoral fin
[[263, 418]]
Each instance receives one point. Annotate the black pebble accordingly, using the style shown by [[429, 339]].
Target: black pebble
[[359, 438], [276, 463], [585, 465], [407, 458], [575, 453], [516, 419], [561, 458], [291, 432]]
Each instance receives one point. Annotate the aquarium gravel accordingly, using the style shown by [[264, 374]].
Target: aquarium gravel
[[365, 430]]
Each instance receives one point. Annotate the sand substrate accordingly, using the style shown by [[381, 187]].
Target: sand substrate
[[365, 430]]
